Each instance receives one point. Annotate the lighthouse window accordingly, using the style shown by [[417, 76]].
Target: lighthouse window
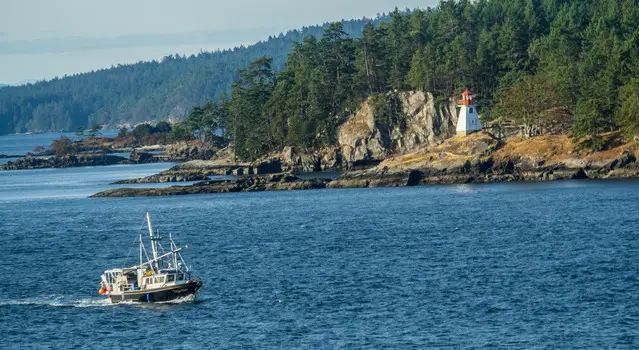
[[471, 110]]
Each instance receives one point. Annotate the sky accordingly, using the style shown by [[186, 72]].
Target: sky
[[42, 39]]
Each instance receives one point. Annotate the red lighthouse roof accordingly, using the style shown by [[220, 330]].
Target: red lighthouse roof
[[467, 98]]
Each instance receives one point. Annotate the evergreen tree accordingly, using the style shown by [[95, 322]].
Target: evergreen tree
[[248, 125]]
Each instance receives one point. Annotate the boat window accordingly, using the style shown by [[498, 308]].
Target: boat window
[[170, 278], [159, 279], [180, 276]]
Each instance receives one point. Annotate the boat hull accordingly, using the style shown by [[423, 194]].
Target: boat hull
[[158, 294]]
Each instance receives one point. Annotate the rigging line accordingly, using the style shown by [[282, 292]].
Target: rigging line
[[128, 254]]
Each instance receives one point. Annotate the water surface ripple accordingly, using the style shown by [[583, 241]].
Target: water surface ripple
[[551, 265]]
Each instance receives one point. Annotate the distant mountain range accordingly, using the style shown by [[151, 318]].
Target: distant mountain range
[[155, 90]]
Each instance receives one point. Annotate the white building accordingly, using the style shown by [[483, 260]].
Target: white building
[[468, 121]]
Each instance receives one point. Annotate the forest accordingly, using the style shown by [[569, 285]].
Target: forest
[[145, 91], [532, 62]]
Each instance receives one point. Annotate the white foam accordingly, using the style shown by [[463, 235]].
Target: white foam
[[56, 301], [183, 300], [464, 188], [61, 301]]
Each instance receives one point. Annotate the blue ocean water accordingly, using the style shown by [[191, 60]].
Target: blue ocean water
[[550, 265], [21, 144]]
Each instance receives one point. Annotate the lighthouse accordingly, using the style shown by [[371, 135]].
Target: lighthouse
[[468, 121]]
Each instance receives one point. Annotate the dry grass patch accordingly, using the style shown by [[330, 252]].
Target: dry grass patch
[[545, 147]]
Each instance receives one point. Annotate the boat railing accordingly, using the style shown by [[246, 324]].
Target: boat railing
[[127, 287]]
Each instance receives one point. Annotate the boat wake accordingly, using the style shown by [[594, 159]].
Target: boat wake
[[190, 299], [59, 301], [56, 301], [184, 300]]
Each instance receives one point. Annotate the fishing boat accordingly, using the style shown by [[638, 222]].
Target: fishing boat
[[164, 276]]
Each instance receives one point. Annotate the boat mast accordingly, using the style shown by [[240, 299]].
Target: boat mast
[[150, 262], [141, 246], [153, 238], [173, 248]]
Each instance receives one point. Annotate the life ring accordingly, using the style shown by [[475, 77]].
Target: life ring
[[102, 291]]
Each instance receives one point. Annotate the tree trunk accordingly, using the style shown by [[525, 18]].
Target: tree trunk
[[368, 73]]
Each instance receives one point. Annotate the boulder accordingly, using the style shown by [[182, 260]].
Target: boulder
[[268, 166], [141, 157], [622, 162], [195, 150], [298, 161]]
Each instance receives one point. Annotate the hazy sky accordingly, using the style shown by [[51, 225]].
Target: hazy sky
[[47, 38]]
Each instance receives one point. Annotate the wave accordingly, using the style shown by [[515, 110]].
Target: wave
[[182, 300], [464, 188], [191, 299]]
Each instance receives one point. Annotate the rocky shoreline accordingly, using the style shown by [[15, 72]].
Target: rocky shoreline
[[478, 158], [80, 160], [467, 174], [274, 182]]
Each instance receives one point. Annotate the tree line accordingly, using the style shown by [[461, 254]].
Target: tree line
[[531, 61], [132, 93]]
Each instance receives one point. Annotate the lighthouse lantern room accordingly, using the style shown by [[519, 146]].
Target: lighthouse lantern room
[[468, 121]]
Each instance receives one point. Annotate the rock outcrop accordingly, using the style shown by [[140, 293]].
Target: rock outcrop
[[416, 120], [139, 157], [185, 151], [296, 161], [69, 161], [273, 182], [165, 177]]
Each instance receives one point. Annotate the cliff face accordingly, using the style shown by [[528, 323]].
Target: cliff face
[[410, 122], [416, 121]]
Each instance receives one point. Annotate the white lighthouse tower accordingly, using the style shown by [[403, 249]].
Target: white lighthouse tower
[[468, 121]]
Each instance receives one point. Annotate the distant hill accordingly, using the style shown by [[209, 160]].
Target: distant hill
[[142, 91]]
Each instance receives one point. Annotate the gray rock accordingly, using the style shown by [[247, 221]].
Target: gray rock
[[420, 122]]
